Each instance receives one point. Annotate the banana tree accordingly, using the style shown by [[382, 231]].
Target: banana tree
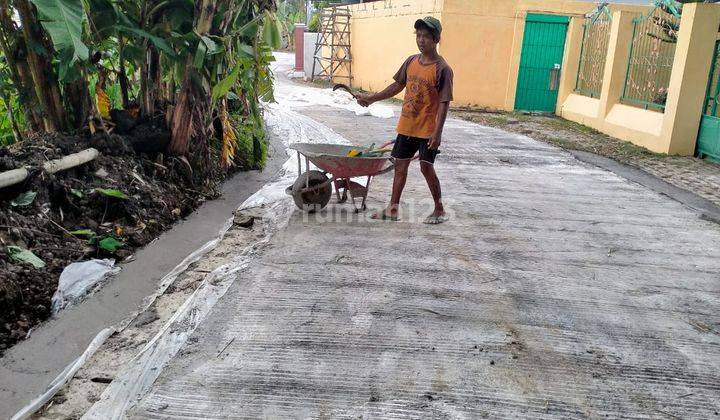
[[202, 64], [6, 99], [229, 38]]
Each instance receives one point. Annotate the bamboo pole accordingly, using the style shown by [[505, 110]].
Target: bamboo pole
[[16, 176]]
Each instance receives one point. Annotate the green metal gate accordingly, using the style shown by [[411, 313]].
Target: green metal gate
[[708, 144], [540, 62]]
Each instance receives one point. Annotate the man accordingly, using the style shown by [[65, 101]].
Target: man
[[427, 80]]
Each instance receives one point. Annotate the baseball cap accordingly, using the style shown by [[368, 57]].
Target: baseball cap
[[429, 22]]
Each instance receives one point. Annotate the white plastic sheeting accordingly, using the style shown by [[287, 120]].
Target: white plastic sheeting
[[138, 376], [64, 376], [299, 96], [142, 371], [80, 278], [291, 127]]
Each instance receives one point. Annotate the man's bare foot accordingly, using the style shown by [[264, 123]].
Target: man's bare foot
[[437, 217], [386, 214]]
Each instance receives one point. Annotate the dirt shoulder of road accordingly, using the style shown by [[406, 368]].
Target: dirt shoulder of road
[[86, 386], [697, 176]]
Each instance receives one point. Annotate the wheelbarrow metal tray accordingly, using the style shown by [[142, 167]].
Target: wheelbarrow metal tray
[[333, 159]]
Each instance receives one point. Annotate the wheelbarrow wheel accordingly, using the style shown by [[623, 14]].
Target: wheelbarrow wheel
[[315, 199]]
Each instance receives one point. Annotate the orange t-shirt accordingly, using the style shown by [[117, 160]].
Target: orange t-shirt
[[426, 86]]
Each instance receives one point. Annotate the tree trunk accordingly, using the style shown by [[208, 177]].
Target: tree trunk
[[181, 122], [151, 81], [122, 76], [146, 103], [158, 86], [11, 117], [45, 81], [32, 108], [181, 128], [171, 90], [79, 100], [19, 72]]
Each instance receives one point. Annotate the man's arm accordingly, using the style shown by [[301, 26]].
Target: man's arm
[[389, 92], [436, 138]]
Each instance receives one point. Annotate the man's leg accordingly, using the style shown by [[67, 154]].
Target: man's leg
[[403, 151], [428, 170], [401, 172]]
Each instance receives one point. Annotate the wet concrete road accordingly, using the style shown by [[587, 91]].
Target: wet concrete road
[[557, 290]]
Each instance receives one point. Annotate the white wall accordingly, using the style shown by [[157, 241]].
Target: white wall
[[310, 40]]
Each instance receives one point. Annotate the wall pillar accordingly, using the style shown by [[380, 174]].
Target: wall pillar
[[571, 61], [515, 56], [299, 38], [689, 78], [616, 64]]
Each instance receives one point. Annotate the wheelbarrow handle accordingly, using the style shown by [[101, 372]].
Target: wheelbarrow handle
[[387, 144], [386, 170], [391, 167]]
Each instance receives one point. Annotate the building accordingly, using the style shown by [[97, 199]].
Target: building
[[639, 73]]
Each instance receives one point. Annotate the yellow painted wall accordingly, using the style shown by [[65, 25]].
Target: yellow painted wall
[[382, 37], [675, 130], [477, 40], [689, 79], [482, 41]]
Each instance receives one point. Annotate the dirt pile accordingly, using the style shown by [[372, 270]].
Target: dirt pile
[[103, 209]]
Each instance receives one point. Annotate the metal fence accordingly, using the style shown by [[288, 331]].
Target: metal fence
[[651, 59], [596, 39], [713, 92]]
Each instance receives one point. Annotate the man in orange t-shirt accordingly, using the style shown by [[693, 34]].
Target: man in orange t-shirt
[[427, 80]]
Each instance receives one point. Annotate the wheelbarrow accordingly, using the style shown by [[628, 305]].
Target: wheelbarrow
[[313, 189]]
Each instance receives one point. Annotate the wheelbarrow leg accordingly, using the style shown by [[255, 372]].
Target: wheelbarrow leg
[[307, 171], [352, 196], [337, 190], [367, 191], [362, 190]]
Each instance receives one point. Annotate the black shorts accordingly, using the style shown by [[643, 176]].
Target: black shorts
[[406, 147]]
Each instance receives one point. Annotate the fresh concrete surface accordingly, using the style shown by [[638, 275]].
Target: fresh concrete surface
[[557, 290]]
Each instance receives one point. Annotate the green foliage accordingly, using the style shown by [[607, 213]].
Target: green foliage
[[25, 256], [107, 243], [64, 19], [314, 25], [7, 93], [272, 31], [6, 134], [289, 12], [112, 193], [101, 42], [24, 199], [83, 232], [252, 144], [110, 244]]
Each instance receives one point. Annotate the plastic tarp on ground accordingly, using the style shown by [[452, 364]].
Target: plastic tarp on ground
[[79, 279], [299, 96]]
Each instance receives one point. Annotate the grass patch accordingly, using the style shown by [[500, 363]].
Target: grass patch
[[559, 132]]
